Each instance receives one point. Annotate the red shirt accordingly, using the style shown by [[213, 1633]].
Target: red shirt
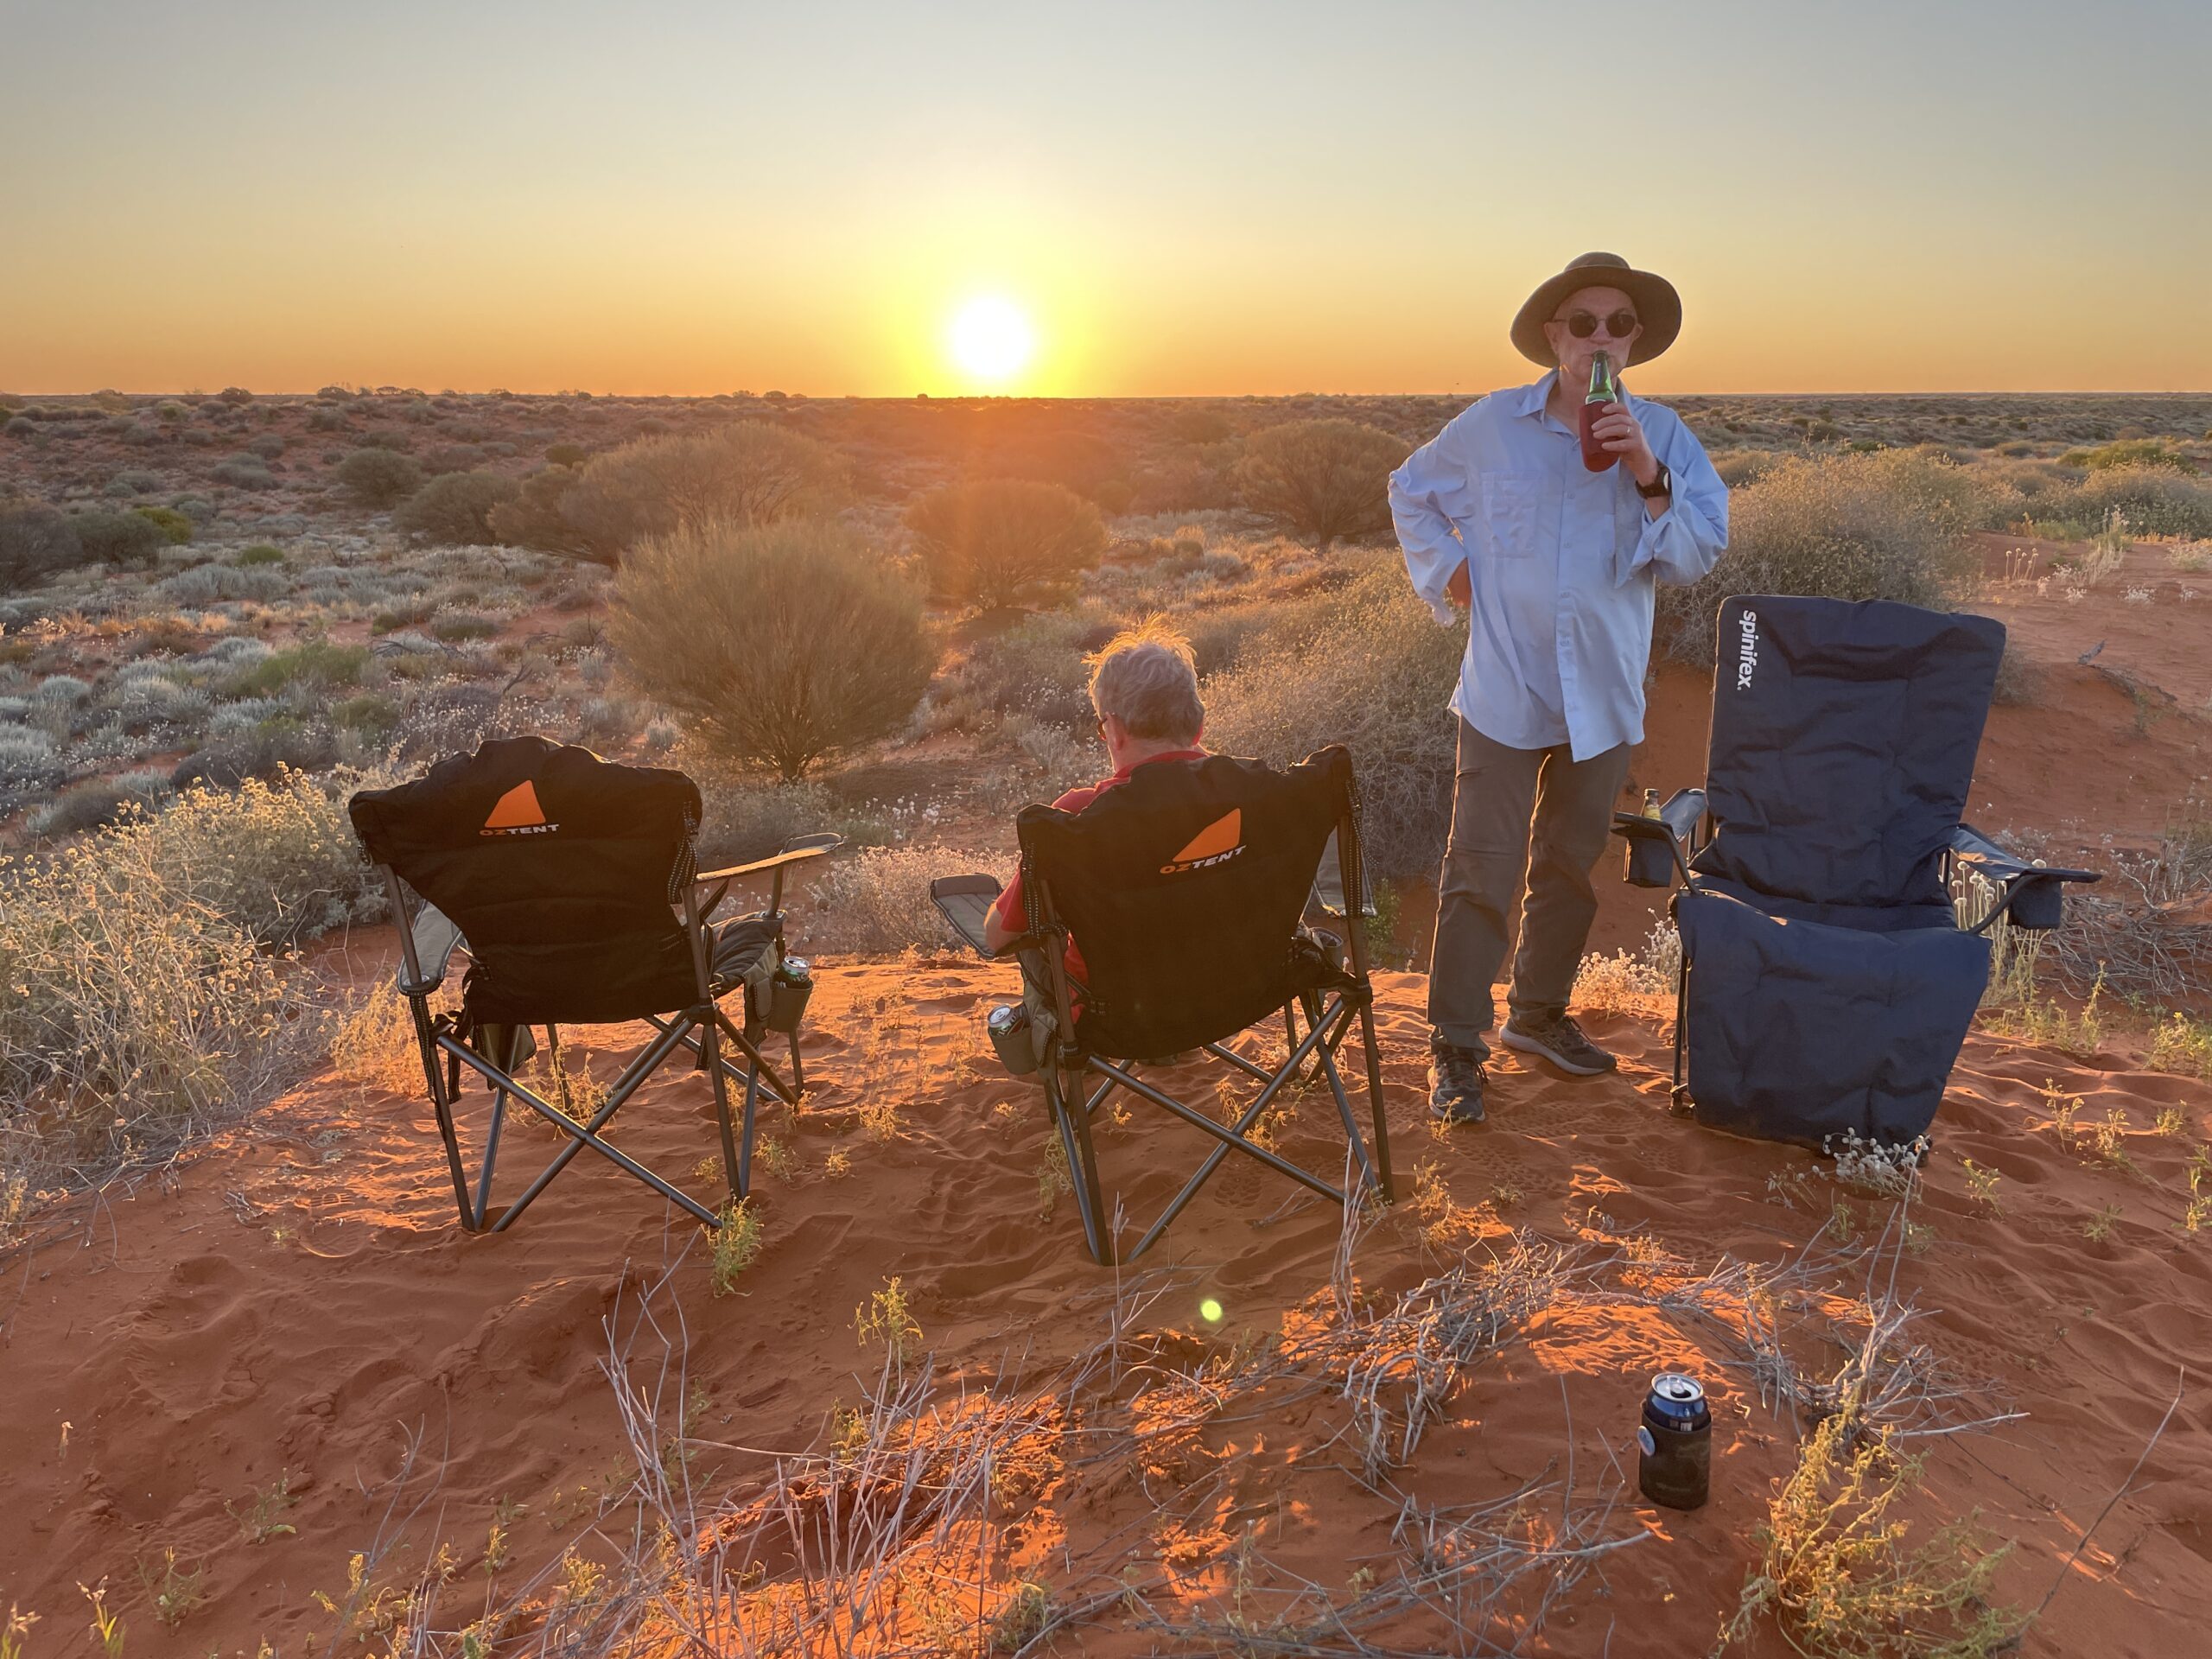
[[1008, 912]]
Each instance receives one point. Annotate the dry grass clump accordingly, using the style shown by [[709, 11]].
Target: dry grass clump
[[1883, 525], [145, 1006], [877, 902], [777, 646], [1367, 666], [1628, 981], [375, 1044]]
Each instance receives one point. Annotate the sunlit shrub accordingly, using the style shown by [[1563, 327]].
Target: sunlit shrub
[[455, 507], [748, 474], [1006, 541], [379, 477], [1326, 480]]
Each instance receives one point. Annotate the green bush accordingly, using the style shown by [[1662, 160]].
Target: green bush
[[36, 542], [2132, 452], [533, 517], [2152, 499], [748, 474], [172, 524], [379, 477], [1363, 665], [259, 553], [313, 662], [1888, 524], [119, 537], [455, 508], [774, 647], [1325, 480], [1005, 541]]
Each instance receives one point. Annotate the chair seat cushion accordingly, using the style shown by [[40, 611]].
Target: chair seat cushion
[[741, 947], [1801, 1031]]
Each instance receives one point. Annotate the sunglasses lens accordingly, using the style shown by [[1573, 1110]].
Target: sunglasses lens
[[1621, 324], [1581, 324]]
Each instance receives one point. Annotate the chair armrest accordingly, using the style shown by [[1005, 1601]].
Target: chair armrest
[[965, 903], [2033, 894], [796, 851]]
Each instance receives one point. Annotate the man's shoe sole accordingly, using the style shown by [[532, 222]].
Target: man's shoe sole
[[1453, 1114], [1528, 1044]]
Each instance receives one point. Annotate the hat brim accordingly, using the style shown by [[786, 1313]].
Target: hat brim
[[1658, 308]]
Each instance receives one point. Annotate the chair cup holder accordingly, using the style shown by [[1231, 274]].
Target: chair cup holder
[[1650, 862], [2038, 906], [787, 1001]]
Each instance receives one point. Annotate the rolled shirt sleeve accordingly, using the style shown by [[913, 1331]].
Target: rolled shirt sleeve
[[1684, 542], [1429, 495]]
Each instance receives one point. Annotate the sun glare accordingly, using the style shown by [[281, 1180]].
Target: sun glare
[[991, 339]]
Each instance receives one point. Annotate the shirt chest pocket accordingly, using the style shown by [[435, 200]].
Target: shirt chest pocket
[[1511, 515]]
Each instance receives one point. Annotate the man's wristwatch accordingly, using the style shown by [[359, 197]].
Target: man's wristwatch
[[1662, 484]]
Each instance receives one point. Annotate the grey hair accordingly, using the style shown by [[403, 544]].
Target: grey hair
[[1147, 678]]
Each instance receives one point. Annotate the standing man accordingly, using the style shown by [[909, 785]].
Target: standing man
[[1557, 565]]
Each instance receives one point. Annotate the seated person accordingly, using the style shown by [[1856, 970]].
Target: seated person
[[1144, 689]]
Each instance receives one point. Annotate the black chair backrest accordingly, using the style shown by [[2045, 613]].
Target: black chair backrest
[[559, 867], [1182, 886], [1844, 736]]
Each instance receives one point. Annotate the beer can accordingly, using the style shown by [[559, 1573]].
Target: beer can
[[1008, 1027], [794, 971], [1674, 1442]]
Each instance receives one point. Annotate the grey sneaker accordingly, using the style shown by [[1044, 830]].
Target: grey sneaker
[[1559, 1040], [1455, 1083]]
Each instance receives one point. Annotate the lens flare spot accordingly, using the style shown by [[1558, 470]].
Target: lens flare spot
[[1209, 1311]]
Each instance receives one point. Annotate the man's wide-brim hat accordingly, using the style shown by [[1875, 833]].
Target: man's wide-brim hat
[[1658, 308]]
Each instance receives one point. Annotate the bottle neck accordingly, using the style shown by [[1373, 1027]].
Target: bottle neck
[[1603, 389]]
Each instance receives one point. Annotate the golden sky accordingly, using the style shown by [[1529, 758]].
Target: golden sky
[[1187, 199]]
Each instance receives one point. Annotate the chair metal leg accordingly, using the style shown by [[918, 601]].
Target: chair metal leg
[[1074, 1129], [1328, 1065], [491, 1157], [733, 1162], [441, 1106], [1374, 1056]]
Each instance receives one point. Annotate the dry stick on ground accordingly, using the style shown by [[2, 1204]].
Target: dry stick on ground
[[2083, 1543]]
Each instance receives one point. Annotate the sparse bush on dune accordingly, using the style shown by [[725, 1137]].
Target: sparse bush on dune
[[378, 477], [1888, 524], [877, 901], [1006, 541], [2151, 500], [775, 646], [455, 507], [2155, 453], [119, 537], [748, 474], [1367, 666], [1328, 479], [173, 525], [36, 542], [532, 517]]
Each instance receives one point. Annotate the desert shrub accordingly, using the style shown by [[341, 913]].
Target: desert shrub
[[267, 445], [259, 553], [532, 517], [749, 473], [746, 819], [2153, 501], [34, 543], [316, 663], [119, 537], [455, 507], [27, 759], [775, 646], [1888, 524], [379, 477], [80, 807], [1327, 481], [243, 473], [1002, 541], [173, 525], [454, 625], [214, 584], [878, 900], [1737, 468], [567, 454], [234, 395], [1367, 666], [1035, 668], [2130, 452]]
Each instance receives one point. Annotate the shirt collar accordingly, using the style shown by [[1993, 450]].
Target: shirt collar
[[1171, 755], [1529, 400]]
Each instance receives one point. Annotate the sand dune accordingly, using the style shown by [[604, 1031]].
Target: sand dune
[[297, 1302]]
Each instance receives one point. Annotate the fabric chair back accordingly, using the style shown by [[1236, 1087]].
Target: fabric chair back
[[559, 867], [1182, 887], [1843, 747]]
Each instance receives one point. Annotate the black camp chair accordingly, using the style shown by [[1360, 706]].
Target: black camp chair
[[1184, 887], [562, 876], [1830, 966]]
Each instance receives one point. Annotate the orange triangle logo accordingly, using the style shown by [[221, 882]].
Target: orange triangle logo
[[1224, 835], [517, 810]]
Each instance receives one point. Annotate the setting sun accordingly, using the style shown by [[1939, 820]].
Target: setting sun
[[991, 339]]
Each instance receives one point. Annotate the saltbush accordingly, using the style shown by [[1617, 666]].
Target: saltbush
[[1367, 666], [775, 646], [1006, 541], [455, 508], [379, 477], [1888, 524], [1325, 480]]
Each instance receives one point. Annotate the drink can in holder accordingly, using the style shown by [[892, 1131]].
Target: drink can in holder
[[1673, 1443], [1008, 1026], [789, 990]]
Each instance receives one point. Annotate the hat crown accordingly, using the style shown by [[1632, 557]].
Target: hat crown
[[1609, 260]]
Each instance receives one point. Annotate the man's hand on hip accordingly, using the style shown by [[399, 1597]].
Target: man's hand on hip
[[1622, 434]]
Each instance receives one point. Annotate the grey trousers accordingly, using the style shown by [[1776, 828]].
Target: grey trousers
[[1534, 813]]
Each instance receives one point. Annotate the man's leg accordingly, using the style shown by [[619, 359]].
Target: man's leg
[[1493, 789], [1574, 821]]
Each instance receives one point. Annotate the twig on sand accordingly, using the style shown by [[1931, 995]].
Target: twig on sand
[[2180, 1382]]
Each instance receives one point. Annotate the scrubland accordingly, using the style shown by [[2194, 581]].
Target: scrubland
[[218, 616]]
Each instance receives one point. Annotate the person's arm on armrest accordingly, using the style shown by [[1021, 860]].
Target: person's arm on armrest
[[1424, 493], [996, 934]]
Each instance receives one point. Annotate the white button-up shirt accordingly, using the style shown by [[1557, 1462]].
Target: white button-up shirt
[[1560, 563]]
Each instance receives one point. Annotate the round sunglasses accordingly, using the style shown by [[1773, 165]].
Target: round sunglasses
[[1581, 324]]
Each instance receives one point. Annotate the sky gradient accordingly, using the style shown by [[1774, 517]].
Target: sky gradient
[[1184, 199]]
